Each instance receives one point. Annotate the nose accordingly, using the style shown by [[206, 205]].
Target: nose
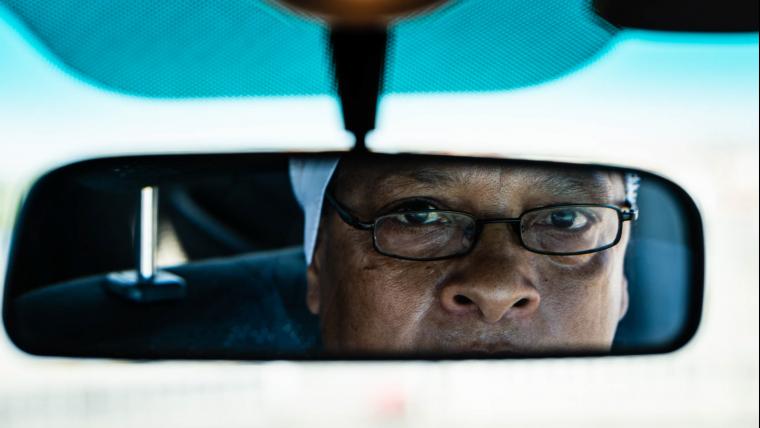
[[492, 302], [494, 282]]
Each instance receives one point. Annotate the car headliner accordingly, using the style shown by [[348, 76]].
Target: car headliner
[[183, 48]]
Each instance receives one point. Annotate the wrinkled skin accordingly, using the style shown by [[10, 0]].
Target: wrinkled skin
[[499, 298]]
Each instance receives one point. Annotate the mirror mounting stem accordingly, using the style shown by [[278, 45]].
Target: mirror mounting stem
[[358, 55]]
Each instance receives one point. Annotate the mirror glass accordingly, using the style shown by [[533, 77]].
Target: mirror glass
[[259, 256]]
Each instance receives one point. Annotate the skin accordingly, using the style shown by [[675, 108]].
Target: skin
[[500, 298]]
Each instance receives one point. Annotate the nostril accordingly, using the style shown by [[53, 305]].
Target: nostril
[[462, 300], [520, 303]]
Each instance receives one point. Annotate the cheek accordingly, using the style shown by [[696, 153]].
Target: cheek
[[580, 298], [371, 301]]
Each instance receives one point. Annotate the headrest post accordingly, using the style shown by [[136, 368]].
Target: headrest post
[[146, 236], [146, 283]]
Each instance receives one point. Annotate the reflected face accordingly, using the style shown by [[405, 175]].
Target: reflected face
[[498, 296]]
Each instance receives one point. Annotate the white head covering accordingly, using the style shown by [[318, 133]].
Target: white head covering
[[309, 178]]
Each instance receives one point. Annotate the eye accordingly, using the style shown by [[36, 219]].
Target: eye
[[417, 212], [566, 219], [418, 218]]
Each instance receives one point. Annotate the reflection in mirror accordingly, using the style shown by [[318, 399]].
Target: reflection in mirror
[[349, 256]]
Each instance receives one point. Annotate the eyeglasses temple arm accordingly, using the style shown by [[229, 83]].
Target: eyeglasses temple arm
[[349, 218]]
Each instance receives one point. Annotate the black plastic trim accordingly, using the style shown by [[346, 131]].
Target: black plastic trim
[[147, 171]]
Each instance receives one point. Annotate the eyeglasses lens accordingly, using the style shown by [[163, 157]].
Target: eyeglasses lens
[[569, 229], [424, 234]]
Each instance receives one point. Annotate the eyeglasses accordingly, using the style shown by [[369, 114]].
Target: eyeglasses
[[558, 230]]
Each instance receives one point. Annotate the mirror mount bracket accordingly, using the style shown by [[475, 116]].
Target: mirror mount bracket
[[358, 55], [146, 284]]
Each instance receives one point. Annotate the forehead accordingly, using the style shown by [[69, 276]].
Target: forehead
[[387, 175]]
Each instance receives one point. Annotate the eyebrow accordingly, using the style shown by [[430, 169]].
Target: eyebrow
[[432, 176], [591, 186], [426, 177]]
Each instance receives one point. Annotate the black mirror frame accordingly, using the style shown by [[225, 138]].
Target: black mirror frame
[[157, 169]]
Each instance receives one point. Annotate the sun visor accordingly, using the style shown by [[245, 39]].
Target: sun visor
[[241, 48]]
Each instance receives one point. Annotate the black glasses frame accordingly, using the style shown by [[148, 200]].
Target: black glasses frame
[[624, 214]]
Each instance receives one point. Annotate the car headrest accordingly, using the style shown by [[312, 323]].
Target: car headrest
[[250, 306]]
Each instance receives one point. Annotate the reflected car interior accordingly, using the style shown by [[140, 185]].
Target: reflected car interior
[[245, 277]]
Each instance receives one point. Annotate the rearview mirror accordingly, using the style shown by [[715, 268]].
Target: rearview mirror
[[259, 256]]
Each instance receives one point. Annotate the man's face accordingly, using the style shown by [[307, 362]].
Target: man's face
[[498, 298]]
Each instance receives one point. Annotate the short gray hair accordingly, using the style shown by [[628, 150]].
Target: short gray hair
[[632, 184]]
